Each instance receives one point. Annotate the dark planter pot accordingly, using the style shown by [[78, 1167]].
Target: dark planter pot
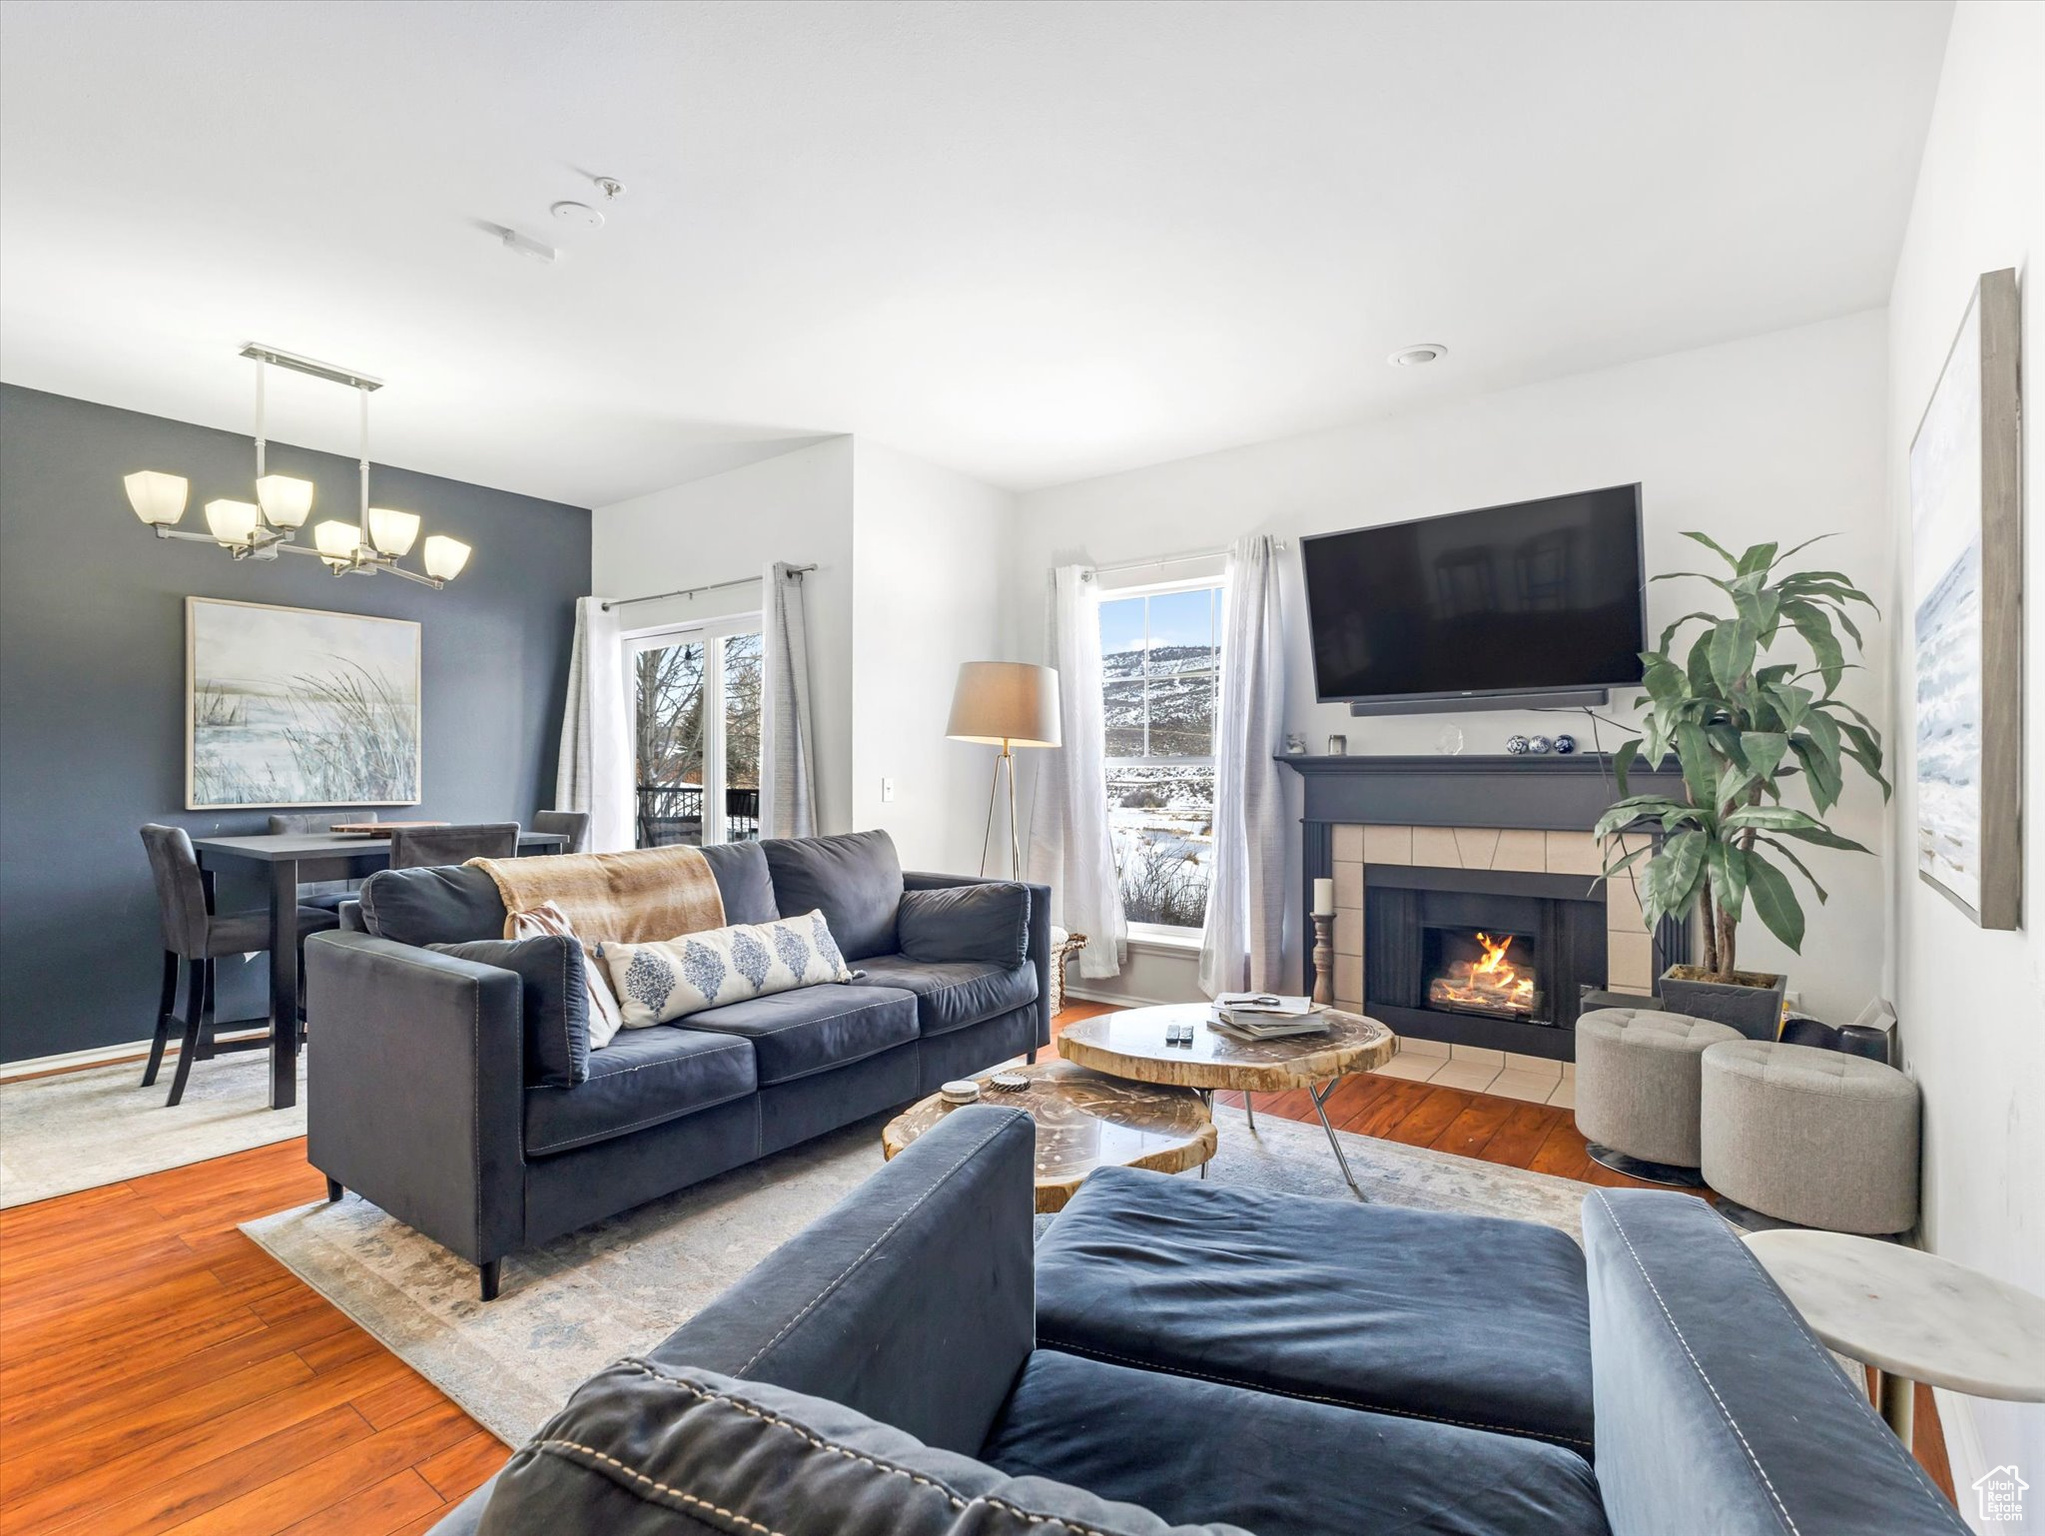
[[1755, 1012]]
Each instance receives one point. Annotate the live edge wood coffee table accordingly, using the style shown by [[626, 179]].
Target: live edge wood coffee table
[[1084, 1121], [1131, 1044]]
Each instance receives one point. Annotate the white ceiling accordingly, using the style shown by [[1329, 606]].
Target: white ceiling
[[1032, 241]]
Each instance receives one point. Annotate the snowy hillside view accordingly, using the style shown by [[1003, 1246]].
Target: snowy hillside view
[[1949, 728], [1159, 659]]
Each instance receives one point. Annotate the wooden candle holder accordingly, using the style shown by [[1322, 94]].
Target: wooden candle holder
[[1324, 958]]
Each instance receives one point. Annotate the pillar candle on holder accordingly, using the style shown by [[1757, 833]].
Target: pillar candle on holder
[[1324, 898]]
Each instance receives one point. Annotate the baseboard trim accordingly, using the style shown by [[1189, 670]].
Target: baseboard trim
[[100, 1056], [1126, 999]]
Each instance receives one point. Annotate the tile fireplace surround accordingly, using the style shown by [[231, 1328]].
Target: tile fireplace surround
[[1507, 816]]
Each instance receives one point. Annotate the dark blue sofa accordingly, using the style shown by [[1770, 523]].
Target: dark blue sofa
[[1184, 1359], [423, 1091]]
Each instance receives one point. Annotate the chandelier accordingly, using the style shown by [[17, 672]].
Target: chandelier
[[375, 541]]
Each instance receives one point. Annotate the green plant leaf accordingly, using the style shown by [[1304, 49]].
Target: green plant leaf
[[1673, 878], [1820, 774], [1732, 652], [1669, 634], [1700, 775], [1716, 548], [1728, 863], [1702, 683], [1790, 822], [1791, 703], [1763, 751], [1758, 560], [1797, 549], [1816, 628], [1775, 902], [1637, 808], [1790, 853], [1622, 762], [1664, 682]]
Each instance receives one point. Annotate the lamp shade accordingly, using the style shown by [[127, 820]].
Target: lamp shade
[[285, 499], [336, 540], [392, 532], [444, 557], [158, 499], [1005, 701], [231, 522]]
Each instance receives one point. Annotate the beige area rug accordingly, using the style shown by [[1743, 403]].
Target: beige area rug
[[617, 1288], [79, 1130]]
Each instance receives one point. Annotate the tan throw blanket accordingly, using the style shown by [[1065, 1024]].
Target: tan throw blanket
[[633, 898]]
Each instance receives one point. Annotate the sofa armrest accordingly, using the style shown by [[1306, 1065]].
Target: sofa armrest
[[1717, 1408], [417, 1098], [913, 1301], [1040, 931]]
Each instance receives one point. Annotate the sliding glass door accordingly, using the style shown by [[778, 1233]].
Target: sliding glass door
[[696, 733]]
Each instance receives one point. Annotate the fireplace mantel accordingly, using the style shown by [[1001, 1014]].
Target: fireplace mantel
[[1547, 794]]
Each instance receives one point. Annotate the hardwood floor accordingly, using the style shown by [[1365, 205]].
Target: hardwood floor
[[161, 1373]]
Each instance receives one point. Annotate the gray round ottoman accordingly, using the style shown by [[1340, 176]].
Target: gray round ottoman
[[1811, 1137], [1636, 1090]]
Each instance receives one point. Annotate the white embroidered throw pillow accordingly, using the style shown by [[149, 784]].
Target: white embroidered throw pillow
[[661, 982], [604, 1018]]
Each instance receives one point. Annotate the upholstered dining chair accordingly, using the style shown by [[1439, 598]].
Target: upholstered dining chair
[[573, 825], [198, 936], [412, 847], [326, 894]]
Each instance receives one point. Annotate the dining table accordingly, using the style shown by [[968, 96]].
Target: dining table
[[292, 858]]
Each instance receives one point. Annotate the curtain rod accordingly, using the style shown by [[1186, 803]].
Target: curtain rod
[[712, 586], [1278, 545]]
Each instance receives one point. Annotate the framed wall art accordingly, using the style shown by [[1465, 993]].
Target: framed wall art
[[296, 706], [1966, 566]]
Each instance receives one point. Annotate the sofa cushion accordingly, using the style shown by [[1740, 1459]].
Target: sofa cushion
[[1198, 1450], [649, 1450], [438, 904], [645, 1076], [661, 982], [989, 923], [855, 880], [743, 881], [797, 1033], [1460, 1319], [951, 996], [554, 1007]]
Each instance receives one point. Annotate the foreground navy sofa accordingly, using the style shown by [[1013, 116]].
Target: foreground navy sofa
[[422, 1093], [1183, 1359]]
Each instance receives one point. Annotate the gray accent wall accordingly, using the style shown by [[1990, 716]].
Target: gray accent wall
[[92, 685]]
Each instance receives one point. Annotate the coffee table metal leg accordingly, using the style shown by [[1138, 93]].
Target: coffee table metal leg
[[1250, 1110], [1318, 1095], [1207, 1098], [1896, 1396]]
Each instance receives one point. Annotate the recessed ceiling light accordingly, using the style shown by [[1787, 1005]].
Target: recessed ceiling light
[[1414, 356], [578, 213]]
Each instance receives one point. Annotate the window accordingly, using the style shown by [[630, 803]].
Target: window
[[696, 733], [1160, 674]]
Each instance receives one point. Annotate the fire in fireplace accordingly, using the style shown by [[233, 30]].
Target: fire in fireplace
[[1474, 971]]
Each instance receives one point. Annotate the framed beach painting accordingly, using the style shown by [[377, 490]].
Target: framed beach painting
[[295, 706], [1966, 565]]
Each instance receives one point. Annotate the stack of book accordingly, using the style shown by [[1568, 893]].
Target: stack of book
[[1267, 1016]]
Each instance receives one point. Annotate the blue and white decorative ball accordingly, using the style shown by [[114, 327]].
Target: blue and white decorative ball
[[1517, 746], [1564, 745], [1540, 746]]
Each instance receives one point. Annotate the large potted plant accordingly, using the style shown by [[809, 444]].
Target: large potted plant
[[1742, 726]]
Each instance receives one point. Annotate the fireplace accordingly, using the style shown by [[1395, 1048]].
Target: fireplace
[[1488, 974], [1493, 958]]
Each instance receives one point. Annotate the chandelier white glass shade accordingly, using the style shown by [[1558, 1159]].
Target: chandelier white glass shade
[[259, 530]]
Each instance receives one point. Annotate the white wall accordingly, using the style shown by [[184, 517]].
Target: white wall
[[798, 508], [1972, 1004], [926, 560], [1775, 437]]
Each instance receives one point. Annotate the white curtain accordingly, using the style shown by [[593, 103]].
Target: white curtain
[[1070, 849], [1242, 945], [594, 771], [788, 769]]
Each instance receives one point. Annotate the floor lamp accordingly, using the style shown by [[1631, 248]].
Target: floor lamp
[[1005, 704]]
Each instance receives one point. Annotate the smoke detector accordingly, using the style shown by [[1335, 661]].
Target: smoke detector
[[578, 213], [1420, 352]]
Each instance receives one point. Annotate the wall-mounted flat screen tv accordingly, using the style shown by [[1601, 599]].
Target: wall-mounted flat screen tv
[[1532, 597]]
